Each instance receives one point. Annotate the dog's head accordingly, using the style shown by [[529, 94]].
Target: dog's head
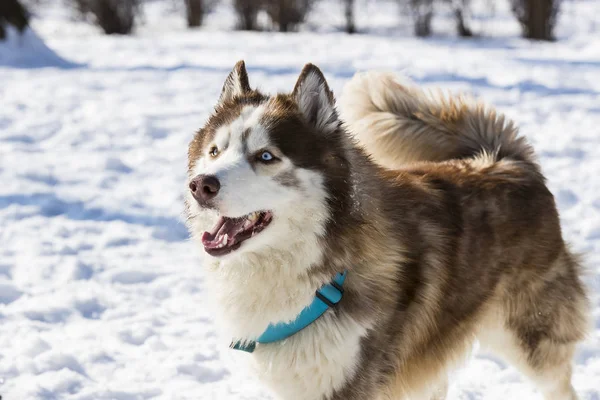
[[264, 170]]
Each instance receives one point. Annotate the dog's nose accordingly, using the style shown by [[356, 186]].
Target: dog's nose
[[205, 187]]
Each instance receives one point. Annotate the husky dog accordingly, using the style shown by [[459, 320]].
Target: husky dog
[[434, 207]]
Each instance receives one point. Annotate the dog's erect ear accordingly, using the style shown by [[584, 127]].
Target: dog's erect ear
[[236, 83], [315, 100]]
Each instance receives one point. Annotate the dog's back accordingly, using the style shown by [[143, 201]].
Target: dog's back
[[494, 259]]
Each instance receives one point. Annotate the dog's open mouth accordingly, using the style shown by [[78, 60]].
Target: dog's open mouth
[[228, 233]]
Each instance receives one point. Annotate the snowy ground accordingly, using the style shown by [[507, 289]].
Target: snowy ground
[[101, 293]]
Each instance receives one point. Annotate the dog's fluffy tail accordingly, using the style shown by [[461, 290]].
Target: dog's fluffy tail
[[398, 123]]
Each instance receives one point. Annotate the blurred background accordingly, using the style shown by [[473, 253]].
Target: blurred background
[[536, 19], [101, 291]]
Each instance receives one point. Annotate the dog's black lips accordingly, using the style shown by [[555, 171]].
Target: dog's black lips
[[228, 233]]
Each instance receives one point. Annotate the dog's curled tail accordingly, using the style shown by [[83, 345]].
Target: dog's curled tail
[[398, 123]]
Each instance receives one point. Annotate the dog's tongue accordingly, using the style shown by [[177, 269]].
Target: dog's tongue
[[229, 233], [223, 234]]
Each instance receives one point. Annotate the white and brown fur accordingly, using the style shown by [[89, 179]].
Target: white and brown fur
[[435, 207]]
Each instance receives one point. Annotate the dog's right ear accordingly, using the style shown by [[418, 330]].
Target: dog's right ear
[[236, 84]]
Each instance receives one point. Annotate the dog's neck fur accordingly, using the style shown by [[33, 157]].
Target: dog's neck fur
[[257, 289], [272, 285]]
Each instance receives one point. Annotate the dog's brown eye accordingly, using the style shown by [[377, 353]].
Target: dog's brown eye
[[214, 151]]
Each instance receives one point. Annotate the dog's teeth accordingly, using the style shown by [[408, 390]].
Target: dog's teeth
[[222, 241], [253, 217]]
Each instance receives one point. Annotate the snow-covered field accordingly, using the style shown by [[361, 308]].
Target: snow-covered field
[[101, 293]]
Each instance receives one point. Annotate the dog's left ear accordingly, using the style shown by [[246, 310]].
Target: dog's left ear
[[236, 84], [315, 100]]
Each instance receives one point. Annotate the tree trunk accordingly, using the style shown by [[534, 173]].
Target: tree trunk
[[286, 15], [195, 12], [283, 17], [539, 15], [422, 14], [113, 16], [423, 25], [12, 13], [248, 22], [461, 28], [349, 13], [247, 11]]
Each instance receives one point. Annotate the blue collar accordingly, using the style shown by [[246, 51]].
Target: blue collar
[[325, 298]]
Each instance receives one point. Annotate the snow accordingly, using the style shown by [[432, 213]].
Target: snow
[[101, 292], [27, 50]]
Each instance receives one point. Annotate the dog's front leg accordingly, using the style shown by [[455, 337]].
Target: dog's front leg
[[441, 392]]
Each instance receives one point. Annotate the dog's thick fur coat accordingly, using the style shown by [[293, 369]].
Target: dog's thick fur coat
[[436, 208]]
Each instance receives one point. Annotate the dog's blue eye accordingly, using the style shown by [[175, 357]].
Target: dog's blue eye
[[266, 156]]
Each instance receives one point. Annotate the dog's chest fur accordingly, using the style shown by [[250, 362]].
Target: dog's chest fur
[[254, 291], [313, 363]]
